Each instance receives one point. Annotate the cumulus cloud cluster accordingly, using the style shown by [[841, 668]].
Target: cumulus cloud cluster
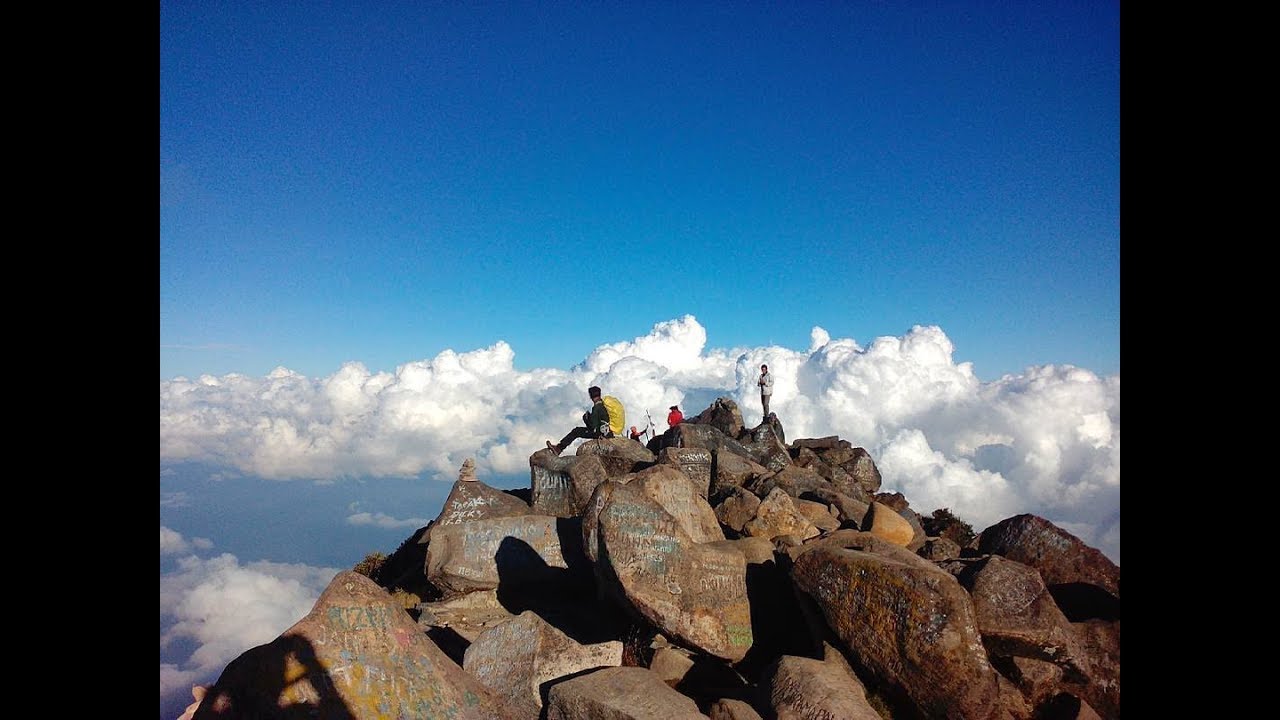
[[1046, 441], [222, 608]]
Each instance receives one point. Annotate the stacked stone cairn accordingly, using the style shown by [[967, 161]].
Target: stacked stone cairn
[[718, 572]]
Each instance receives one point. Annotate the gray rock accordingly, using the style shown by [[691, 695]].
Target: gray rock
[[693, 462]]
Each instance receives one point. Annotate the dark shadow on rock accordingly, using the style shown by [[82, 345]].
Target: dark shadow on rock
[[710, 679], [1082, 601], [253, 684], [892, 697], [525, 494], [565, 598], [777, 627], [1063, 706], [449, 642]]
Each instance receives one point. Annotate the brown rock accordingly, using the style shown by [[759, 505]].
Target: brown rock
[[356, 655], [863, 470], [1084, 582], [480, 554], [1017, 616], [514, 659], [905, 621], [671, 664], [676, 493], [848, 509], [623, 693], [820, 514], [796, 481], [1099, 642], [736, 508], [808, 689], [825, 443], [692, 592], [723, 414], [777, 515], [883, 522], [939, 548], [735, 471], [730, 709]]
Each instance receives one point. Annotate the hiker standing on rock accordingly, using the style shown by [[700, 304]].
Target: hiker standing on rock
[[766, 388]]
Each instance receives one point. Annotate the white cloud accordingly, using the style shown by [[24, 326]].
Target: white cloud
[[1046, 441], [383, 520], [223, 608], [172, 543], [175, 499]]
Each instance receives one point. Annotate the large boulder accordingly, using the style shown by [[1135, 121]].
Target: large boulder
[[559, 486], [357, 655], [707, 437], [908, 623], [677, 494], [1084, 582], [694, 593], [474, 500], [481, 554], [794, 480], [766, 447], [694, 462], [733, 470], [1017, 616], [736, 507], [514, 659]]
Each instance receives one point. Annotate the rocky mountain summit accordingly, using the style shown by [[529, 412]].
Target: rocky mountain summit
[[717, 572]]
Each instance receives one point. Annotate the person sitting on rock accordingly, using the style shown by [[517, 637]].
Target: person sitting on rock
[[675, 417], [599, 422]]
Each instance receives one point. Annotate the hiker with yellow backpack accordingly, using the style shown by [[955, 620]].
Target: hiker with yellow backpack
[[605, 420]]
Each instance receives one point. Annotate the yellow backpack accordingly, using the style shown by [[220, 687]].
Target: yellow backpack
[[617, 416]]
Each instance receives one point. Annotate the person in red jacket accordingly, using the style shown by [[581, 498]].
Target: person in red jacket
[[675, 417]]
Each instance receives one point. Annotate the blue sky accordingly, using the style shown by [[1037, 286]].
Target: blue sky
[[350, 181], [394, 236]]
